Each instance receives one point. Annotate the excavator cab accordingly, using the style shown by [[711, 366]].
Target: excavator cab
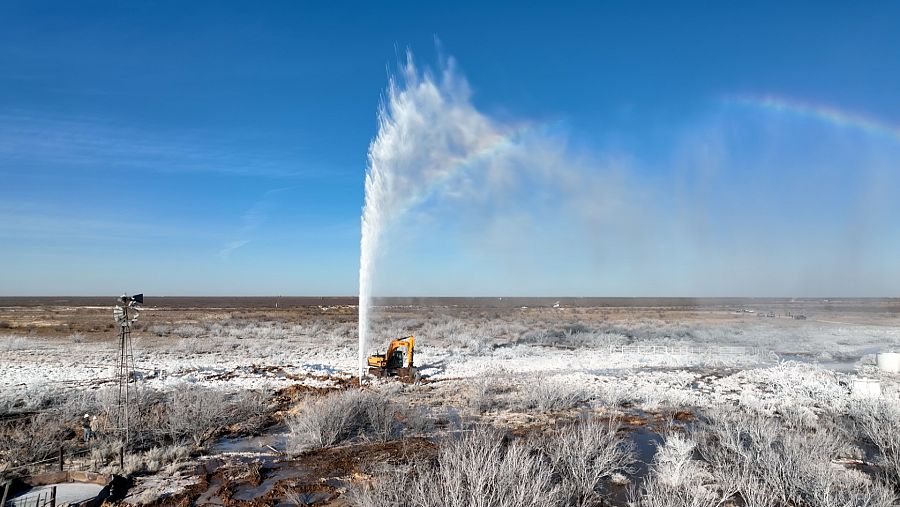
[[396, 360], [391, 363]]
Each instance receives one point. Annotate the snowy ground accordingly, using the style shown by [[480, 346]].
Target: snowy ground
[[513, 367], [694, 359]]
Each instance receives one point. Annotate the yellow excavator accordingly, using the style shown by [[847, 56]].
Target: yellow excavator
[[390, 364]]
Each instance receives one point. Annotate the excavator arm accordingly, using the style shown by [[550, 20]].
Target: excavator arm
[[409, 343], [381, 361]]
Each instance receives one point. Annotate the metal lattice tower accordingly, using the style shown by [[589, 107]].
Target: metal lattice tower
[[125, 313]]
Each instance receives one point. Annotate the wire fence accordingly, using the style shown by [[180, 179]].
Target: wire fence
[[673, 350], [74, 460], [79, 460], [44, 498]]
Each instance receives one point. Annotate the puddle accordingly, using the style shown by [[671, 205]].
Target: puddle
[[211, 495], [274, 440], [645, 444], [314, 497], [66, 492], [281, 472], [230, 481]]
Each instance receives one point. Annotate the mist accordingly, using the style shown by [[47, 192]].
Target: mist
[[744, 202]]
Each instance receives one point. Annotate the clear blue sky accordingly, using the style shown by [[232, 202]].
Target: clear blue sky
[[220, 147]]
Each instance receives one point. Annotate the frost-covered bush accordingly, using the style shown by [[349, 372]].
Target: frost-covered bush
[[766, 462], [878, 423], [483, 393], [188, 331], [32, 439], [551, 395], [674, 464], [207, 345], [677, 479], [159, 329], [152, 460], [16, 342], [757, 462], [193, 414], [478, 469], [655, 493], [483, 468], [341, 416], [583, 455], [572, 336]]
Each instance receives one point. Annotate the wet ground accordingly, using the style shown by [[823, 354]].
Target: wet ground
[[66, 493]]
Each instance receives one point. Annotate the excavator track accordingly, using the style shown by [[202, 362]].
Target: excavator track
[[406, 374]]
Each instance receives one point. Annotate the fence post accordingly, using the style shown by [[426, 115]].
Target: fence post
[[122, 459], [5, 493], [53, 496], [61, 459]]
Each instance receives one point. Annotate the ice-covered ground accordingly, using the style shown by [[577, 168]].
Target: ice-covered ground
[[658, 361], [66, 493]]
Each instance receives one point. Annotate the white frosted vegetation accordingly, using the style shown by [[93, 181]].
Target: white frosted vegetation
[[758, 418]]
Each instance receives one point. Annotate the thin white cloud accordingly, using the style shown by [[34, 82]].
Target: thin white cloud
[[231, 246], [35, 139], [251, 220], [30, 224]]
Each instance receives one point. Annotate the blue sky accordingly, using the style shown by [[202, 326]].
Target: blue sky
[[211, 148]]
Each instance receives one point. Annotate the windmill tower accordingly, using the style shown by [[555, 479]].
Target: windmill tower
[[125, 313]]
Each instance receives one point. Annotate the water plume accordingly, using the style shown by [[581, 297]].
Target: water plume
[[429, 137], [680, 219]]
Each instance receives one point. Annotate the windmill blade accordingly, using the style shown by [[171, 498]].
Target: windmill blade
[[119, 314]]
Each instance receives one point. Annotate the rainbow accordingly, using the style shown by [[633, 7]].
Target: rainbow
[[490, 147], [819, 112]]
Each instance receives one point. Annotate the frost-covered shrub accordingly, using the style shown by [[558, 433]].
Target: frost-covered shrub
[[573, 336], [766, 462], [191, 346], [153, 460], [655, 493], [674, 464], [193, 414], [585, 454], [16, 342], [878, 423], [33, 438], [341, 416], [159, 329], [478, 469], [188, 331], [483, 397], [677, 479], [551, 395], [609, 394]]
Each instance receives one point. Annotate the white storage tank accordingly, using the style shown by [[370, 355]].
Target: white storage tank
[[866, 388], [889, 362]]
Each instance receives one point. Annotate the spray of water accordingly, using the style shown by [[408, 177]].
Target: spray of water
[[528, 192], [429, 137]]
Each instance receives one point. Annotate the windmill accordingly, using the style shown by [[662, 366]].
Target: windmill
[[125, 313]]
